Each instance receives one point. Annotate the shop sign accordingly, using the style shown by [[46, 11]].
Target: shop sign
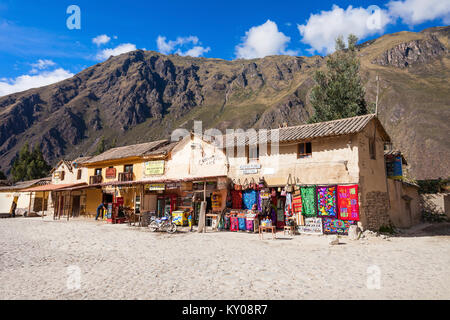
[[119, 201], [250, 166], [312, 226], [250, 171], [174, 185], [155, 187], [110, 173], [154, 167], [210, 160]]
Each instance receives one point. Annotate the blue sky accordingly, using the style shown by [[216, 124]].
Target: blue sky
[[37, 48]]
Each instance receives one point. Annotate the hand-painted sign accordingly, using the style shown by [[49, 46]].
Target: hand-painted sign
[[336, 226], [154, 167], [119, 201], [312, 226], [155, 187], [110, 173]]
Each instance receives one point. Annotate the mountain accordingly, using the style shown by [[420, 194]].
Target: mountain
[[143, 95]]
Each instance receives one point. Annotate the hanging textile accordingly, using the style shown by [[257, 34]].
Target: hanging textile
[[336, 226], [348, 202], [249, 198], [297, 203], [259, 201], [326, 201], [236, 199], [249, 224], [308, 201], [234, 224], [288, 207], [242, 224], [227, 223]]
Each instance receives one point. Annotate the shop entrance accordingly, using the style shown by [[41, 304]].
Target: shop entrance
[[76, 206], [107, 198]]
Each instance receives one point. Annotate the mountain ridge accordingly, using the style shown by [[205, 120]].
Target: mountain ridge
[[144, 95]]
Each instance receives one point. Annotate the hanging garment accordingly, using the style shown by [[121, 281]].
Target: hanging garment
[[259, 201], [249, 224], [242, 224], [348, 202], [327, 201], [308, 201], [227, 223], [297, 203], [234, 224], [288, 208], [236, 198], [249, 198]]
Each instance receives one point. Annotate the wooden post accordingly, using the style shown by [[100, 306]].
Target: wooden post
[[70, 198], [29, 205], [43, 203], [202, 218]]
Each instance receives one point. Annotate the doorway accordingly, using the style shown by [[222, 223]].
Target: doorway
[[76, 206]]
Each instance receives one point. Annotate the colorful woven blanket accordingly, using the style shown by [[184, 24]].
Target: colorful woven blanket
[[297, 203], [336, 226], [348, 202], [326, 201], [236, 198], [308, 201], [249, 198]]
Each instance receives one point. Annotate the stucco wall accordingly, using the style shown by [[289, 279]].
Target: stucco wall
[[70, 176], [402, 214], [119, 166], [334, 160], [373, 190]]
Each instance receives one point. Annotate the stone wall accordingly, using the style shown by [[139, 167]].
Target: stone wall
[[375, 210]]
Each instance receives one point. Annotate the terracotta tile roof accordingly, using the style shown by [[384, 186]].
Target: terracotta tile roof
[[134, 150], [27, 184], [308, 131]]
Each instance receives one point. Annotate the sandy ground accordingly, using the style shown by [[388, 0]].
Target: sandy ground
[[41, 259]]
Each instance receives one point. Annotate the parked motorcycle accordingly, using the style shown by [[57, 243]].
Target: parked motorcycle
[[163, 224]]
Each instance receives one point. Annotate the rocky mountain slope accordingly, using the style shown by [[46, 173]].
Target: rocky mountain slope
[[144, 95]]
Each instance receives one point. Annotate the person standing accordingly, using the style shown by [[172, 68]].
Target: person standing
[[100, 208], [13, 209]]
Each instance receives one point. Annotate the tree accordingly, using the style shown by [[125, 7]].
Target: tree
[[101, 147], [29, 165], [339, 92]]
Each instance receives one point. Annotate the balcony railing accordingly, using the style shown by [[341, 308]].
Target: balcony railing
[[125, 176], [95, 179]]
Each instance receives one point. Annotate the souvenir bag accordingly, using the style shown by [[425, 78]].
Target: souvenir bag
[[234, 224], [283, 193], [245, 185], [261, 183], [242, 224], [238, 186], [289, 187]]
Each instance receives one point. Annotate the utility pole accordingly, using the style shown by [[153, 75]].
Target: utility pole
[[378, 92]]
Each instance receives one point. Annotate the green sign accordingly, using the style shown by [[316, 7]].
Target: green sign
[[154, 167]]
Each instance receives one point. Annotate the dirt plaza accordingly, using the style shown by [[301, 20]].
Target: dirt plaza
[[83, 259]]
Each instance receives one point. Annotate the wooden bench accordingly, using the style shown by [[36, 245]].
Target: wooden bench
[[265, 228]]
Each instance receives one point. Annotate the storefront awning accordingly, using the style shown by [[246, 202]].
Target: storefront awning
[[51, 187]]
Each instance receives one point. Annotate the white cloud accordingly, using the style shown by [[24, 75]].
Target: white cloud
[[42, 64], [322, 29], [174, 46], [101, 39], [25, 82], [414, 12], [196, 51], [263, 40], [122, 48]]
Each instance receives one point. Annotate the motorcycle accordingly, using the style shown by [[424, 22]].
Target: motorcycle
[[164, 224]]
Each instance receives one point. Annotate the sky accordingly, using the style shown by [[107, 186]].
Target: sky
[[42, 42]]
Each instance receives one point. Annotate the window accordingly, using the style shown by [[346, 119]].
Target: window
[[304, 150], [128, 168], [253, 153], [61, 174], [98, 171], [372, 149], [79, 174]]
